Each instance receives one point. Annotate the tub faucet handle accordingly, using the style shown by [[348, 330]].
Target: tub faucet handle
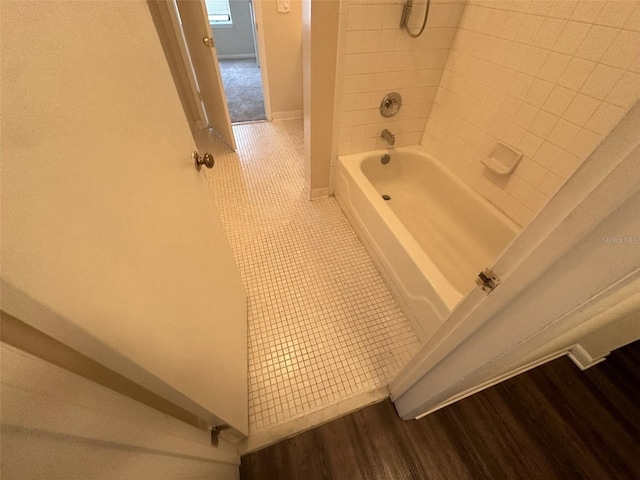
[[388, 136]]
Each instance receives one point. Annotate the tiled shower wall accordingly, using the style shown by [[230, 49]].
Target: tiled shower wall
[[551, 78], [375, 57]]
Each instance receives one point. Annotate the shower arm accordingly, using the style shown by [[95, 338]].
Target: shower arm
[[406, 15]]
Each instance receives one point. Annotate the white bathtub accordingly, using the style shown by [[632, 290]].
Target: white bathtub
[[431, 239]]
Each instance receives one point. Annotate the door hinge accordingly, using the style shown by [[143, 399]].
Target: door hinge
[[215, 433], [488, 280], [208, 41]]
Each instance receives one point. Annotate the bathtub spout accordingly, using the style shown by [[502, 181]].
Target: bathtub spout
[[388, 136]]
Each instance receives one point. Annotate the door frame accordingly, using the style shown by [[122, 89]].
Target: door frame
[[482, 343], [177, 54], [169, 28], [171, 35], [261, 54]]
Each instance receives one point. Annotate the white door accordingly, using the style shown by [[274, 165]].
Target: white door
[[111, 242], [204, 58]]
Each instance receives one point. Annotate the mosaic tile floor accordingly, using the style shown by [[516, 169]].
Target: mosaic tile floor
[[322, 325]]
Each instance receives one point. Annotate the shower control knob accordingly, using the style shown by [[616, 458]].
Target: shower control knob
[[206, 160], [390, 104]]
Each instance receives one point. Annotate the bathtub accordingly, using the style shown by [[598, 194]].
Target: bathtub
[[430, 239]]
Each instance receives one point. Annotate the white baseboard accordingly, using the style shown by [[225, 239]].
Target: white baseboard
[[495, 381], [319, 193], [287, 115], [579, 355], [582, 358], [257, 441], [236, 56]]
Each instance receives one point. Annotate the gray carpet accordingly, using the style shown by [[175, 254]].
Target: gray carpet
[[243, 86]]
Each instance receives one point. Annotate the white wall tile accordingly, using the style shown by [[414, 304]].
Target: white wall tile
[[551, 81], [370, 41], [531, 171], [616, 13], [550, 184], [571, 37], [554, 66], [540, 7], [373, 19], [547, 155], [581, 109], [539, 92], [563, 8], [525, 115], [543, 123], [537, 200], [530, 144], [596, 43], [387, 39], [534, 60], [391, 16], [558, 100], [633, 22], [549, 32], [601, 81], [624, 49], [587, 10], [563, 133], [566, 165], [529, 28], [549, 77], [513, 135], [584, 143], [604, 118], [356, 17], [375, 57], [524, 215], [510, 205], [354, 41], [576, 73], [520, 85], [626, 90]]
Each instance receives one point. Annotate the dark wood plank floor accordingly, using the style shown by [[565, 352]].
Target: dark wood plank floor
[[554, 422]]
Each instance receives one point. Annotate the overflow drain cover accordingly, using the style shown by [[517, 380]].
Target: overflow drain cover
[[386, 197]]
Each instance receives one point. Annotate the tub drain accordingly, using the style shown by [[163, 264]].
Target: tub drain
[[386, 197]]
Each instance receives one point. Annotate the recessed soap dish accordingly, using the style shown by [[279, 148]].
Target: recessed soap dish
[[503, 160]]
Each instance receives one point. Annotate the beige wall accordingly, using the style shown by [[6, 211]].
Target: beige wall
[[236, 41], [376, 57], [320, 32], [283, 44], [549, 78]]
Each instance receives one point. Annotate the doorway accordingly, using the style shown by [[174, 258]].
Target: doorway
[[234, 28]]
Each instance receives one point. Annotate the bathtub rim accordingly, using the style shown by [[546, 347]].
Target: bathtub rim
[[352, 164], [447, 294]]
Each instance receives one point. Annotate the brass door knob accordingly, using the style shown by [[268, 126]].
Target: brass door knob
[[198, 161]]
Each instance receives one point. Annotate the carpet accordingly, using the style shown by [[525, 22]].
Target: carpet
[[243, 87]]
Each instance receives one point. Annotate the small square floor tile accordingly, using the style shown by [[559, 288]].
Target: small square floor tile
[[323, 327]]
